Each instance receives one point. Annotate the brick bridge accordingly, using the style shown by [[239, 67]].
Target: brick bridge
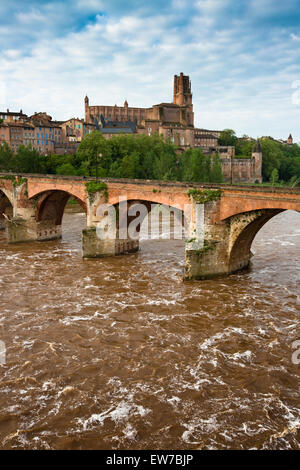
[[32, 207]]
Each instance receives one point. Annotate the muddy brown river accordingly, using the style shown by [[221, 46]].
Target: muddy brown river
[[120, 353]]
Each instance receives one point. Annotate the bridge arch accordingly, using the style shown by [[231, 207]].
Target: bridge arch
[[51, 205], [6, 208], [164, 213], [244, 228]]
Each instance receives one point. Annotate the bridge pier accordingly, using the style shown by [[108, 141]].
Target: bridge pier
[[21, 230], [226, 244], [207, 256], [94, 246]]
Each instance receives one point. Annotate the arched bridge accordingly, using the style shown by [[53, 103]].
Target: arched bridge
[[221, 220]]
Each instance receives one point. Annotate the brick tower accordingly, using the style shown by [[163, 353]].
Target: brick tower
[[182, 90], [183, 96]]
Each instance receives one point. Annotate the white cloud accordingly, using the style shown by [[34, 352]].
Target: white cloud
[[31, 17], [238, 81], [93, 5], [295, 37]]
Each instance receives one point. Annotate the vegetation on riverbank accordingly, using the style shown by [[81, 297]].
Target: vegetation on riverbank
[[150, 157]]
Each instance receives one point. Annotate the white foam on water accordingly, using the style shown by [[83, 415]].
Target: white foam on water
[[49, 385], [76, 318], [241, 355], [122, 412], [130, 432], [198, 427], [214, 362], [174, 401]]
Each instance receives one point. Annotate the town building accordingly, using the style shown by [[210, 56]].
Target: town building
[[289, 141], [243, 170], [174, 121], [171, 120]]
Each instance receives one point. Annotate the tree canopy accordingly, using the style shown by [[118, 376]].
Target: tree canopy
[[141, 156]]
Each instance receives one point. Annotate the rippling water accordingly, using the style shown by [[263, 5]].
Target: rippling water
[[121, 354]]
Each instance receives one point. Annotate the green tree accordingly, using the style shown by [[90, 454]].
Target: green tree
[[228, 138], [66, 169], [196, 166], [27, 160], [274, 177], [244, 148], [272, 156], [216, 174], [94, 152], [130, 166], [6, 157]]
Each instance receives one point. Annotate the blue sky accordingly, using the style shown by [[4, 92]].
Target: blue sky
[[242, 57]]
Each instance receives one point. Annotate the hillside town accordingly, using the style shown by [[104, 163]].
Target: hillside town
[[173, 121]]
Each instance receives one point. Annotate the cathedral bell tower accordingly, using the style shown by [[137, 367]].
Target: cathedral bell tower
[[182, 90], [183, 96]]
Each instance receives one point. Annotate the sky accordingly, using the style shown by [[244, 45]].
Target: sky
[[242, 58]]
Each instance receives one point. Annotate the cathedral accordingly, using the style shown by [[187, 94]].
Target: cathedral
[[174, 121]]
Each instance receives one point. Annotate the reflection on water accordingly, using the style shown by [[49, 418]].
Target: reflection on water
[[120, 353]]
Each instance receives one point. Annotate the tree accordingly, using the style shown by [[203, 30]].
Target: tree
[[244, 148], [66, 169], [89, 152], [6, 157], [130, 166], [27, 160], [272, 156], [196, 166], [228, 138], [216, 174], [274, 177]]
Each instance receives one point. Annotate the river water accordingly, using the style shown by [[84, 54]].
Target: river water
[[120, 353]]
